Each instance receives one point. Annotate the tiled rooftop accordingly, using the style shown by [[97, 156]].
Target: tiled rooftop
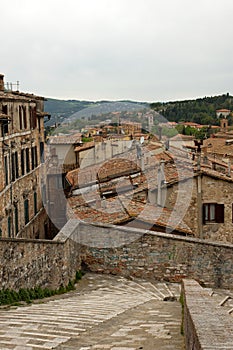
[[65, 140], [218, 146]]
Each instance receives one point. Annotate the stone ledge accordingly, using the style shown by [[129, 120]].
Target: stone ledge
[[206, 325]]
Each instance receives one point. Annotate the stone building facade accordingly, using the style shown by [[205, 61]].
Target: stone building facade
[[22, 213], [209, 210]]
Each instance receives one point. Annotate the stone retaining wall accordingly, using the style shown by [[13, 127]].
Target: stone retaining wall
[[116, 250], [160, 256], [29, 263]]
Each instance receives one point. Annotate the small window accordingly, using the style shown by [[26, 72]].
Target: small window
[[13, 167], [22, 162], [5, 128], [16, 165], [42, 152], [33, 159], [35, 203], [35, 156], [20, 118], [27, 160], [9, 226], [213, 212], [25, 117], [33, 120], [6, 170], [16, 219], [26, 211]]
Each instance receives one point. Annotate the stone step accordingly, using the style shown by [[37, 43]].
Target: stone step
[[46, 325]]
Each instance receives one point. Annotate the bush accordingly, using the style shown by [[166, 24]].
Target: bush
[[9, 296]]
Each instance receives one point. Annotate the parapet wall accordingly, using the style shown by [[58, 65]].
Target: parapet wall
[[28, 263], [116, 250], [160, 256], [206, 325]]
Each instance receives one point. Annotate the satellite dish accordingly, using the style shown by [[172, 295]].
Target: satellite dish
[[142, 139]]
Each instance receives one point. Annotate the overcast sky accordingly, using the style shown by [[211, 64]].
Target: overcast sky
[[145, 50]]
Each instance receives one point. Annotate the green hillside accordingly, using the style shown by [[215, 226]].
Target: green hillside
[[201, 110], [70, 110]]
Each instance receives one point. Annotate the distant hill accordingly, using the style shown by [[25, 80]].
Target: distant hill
[[201, 110], [106, 107], [70, 110]]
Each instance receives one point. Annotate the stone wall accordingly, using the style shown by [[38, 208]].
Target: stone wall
[[160, 256], [206, 325], [114, 250], [29, 263]]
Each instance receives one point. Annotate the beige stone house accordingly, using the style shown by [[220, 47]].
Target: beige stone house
[[22, 213]]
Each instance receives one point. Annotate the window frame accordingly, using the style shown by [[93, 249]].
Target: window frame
[[213, 213]]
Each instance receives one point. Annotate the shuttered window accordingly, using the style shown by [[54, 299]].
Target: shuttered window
[[213, 212]]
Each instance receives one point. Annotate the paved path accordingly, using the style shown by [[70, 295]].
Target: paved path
[[105, 312]]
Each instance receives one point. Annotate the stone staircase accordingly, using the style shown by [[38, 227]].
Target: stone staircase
[[97, 299], [224, 299]]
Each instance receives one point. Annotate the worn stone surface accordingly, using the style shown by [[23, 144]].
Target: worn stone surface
[[105, 312], [207, 325]]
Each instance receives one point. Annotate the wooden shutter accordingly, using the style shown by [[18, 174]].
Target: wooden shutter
[[219, 213]]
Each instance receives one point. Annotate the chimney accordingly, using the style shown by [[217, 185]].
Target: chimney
[[1, 82]]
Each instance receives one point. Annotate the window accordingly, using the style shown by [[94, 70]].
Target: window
[[16, 219], [20, 118], [213, 212], [5, 109], [22, 162], [25, 117], [5, 128], [42, 152], [6, 170], [35, 203], [9, 226], [26, 211], [13, 167], [16, 165], [34, 157], [33, 117], [27, 160]]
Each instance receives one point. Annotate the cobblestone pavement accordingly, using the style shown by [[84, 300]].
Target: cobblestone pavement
[[104, 312]]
